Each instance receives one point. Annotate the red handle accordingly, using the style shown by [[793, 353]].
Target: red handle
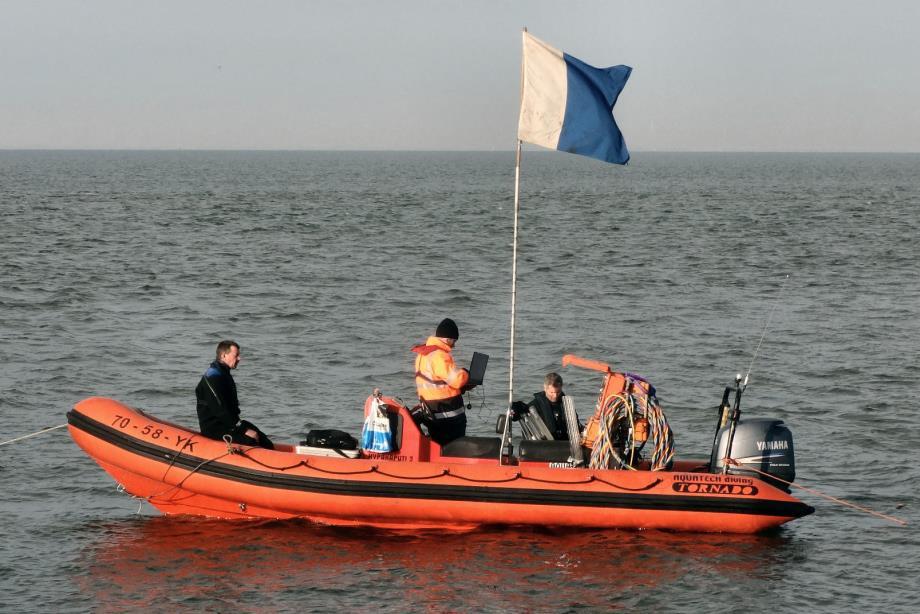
[[585, 363]]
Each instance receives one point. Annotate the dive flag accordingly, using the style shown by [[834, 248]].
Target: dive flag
[[567, 105]]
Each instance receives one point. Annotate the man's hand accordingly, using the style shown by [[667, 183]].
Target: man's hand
[[518, 409], [468, 386]]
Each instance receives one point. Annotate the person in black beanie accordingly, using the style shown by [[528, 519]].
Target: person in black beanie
[[440, 383], [217, 404], [447, 329]]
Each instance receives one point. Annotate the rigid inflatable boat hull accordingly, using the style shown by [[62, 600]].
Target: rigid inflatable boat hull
[[181, 472]]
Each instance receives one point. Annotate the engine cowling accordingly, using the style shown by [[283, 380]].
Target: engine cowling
[[764, 444]]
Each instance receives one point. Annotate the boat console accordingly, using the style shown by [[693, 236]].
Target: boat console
[[410, 444]]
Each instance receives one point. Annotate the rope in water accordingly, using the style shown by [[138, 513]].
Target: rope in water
[[45, 430], [732, 461]]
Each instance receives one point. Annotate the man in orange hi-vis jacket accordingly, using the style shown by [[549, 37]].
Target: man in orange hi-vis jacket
[[440, 383]]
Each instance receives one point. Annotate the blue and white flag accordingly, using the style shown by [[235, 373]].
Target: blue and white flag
[[567, 105]]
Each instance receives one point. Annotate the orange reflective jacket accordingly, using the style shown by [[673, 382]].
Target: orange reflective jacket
[[436, 375]]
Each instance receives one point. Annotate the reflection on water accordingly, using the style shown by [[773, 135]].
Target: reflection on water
[[171, 563]]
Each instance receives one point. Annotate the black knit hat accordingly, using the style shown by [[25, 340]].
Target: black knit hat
[[447, 329]]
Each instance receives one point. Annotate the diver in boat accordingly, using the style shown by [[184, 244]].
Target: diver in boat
[[218, 406], [440, 384], [548, 405]]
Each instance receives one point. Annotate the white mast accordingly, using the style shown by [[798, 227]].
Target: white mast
[[517, 206], [506, 433], [517, 182]]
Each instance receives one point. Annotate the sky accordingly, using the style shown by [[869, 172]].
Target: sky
[[783, 75]]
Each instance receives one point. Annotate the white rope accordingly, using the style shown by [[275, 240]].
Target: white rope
[[50, 428]]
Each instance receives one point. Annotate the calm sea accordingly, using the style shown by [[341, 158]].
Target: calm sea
[[119, 271]]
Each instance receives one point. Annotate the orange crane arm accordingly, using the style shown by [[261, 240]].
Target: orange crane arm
[[585, 363]]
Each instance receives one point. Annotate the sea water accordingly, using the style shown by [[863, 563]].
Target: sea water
[[120, 272]]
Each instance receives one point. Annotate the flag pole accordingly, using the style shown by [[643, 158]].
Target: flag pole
[[517, 208], [506, 431]]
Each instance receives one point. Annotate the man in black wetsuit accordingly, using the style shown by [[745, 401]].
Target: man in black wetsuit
[[549, 406], [218, 406]]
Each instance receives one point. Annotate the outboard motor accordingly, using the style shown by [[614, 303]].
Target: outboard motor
[[761, 444], [764, 444]]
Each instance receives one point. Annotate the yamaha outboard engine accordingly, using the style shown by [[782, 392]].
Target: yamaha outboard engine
[[764, 444], [756, 444]]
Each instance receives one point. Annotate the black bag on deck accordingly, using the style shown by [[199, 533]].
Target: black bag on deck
[[330, 438]]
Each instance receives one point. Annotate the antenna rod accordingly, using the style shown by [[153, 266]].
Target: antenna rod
[[764, 332]]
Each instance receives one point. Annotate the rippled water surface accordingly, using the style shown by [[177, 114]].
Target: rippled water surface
[[121, 270]]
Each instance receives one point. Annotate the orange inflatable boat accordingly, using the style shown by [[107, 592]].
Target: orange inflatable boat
[[470, 482]]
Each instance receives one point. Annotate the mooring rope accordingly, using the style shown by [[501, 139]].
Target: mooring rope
[[44, 430], [732, 461]]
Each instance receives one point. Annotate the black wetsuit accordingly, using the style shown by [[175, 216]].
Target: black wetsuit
[[219, 408]]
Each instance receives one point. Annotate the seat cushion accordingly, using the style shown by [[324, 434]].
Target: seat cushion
[[473, 447], [553, 451]]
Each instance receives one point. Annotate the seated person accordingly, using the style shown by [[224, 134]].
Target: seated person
[[217, 403], [548, 405]]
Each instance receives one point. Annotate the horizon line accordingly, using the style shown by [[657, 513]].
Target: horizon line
[[510, 151]]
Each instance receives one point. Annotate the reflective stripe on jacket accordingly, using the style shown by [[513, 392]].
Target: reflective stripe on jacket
[[436, 375]]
